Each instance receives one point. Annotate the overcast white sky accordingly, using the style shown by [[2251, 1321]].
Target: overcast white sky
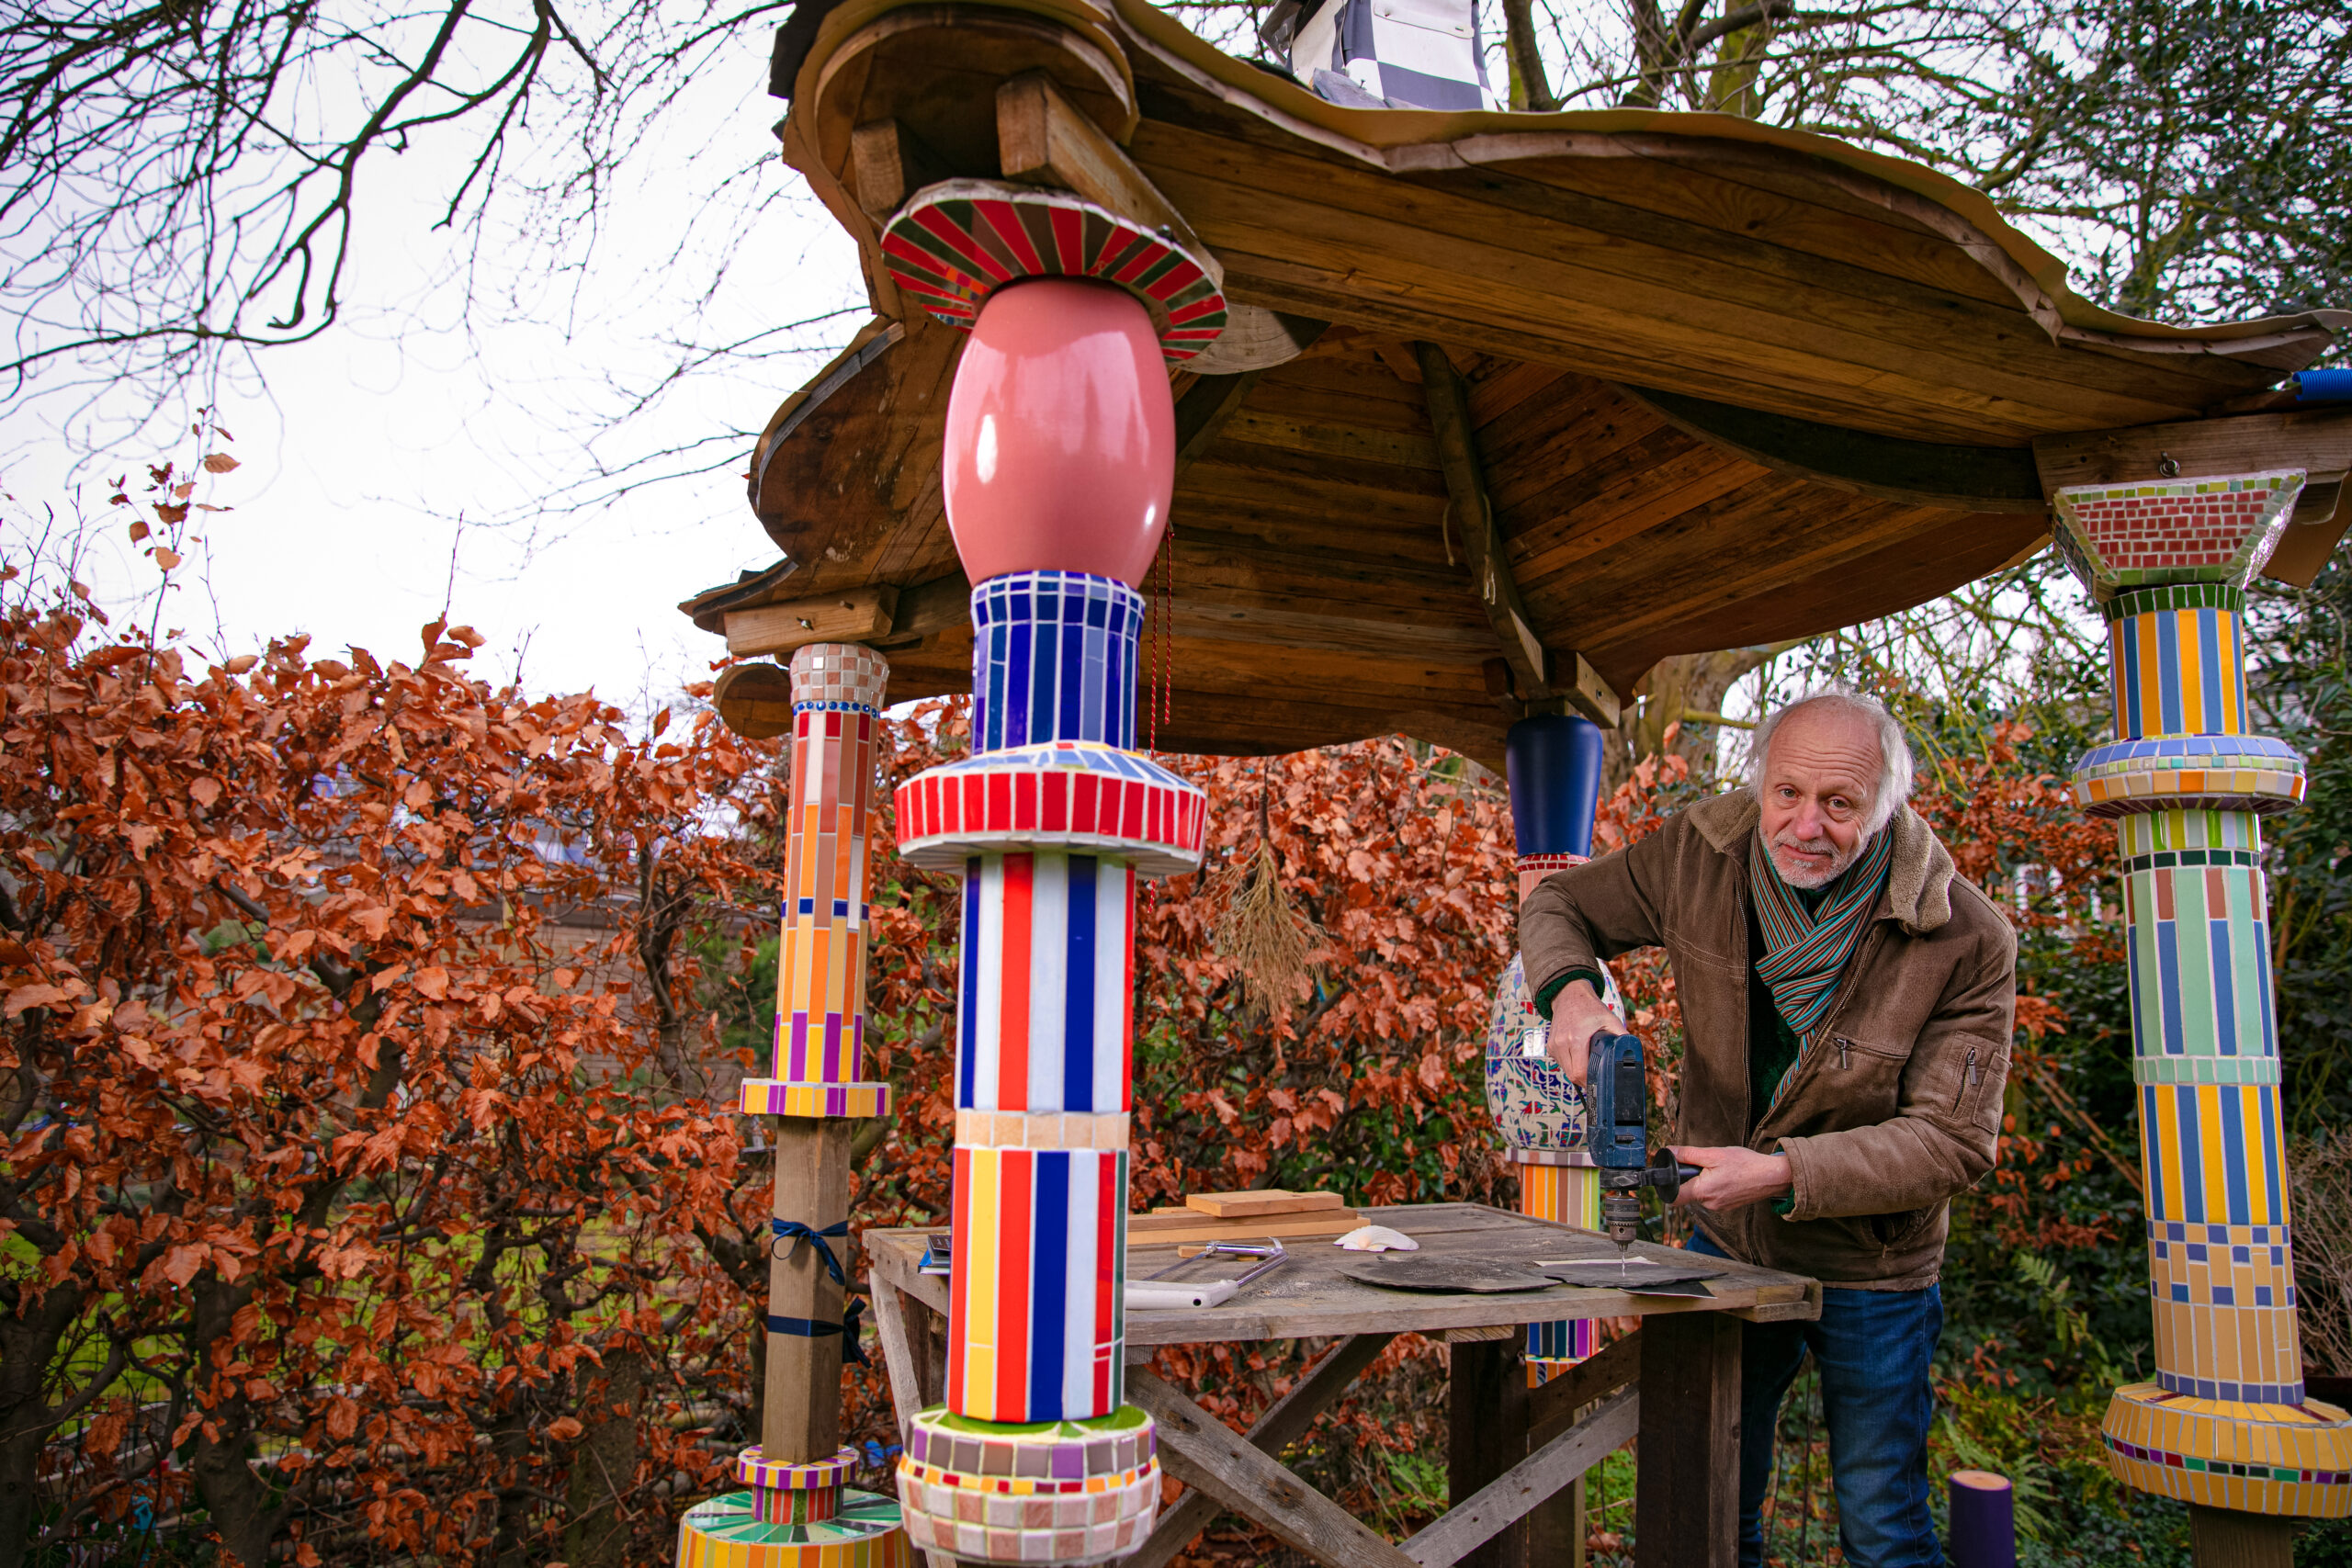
[[368, 444]]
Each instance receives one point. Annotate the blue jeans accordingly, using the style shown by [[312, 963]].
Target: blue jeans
[[1873, 1349]]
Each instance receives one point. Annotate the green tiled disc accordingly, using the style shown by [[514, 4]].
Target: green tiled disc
[[730, 1517]]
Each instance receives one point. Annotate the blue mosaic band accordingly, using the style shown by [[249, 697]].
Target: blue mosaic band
[[1053, 658]]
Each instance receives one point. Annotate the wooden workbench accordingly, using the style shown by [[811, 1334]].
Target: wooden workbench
[[1674, 1385]]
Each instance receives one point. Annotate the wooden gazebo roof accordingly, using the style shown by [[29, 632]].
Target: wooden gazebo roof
[[1714, 383]]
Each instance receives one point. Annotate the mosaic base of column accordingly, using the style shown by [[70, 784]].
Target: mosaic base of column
[[727, 1532]]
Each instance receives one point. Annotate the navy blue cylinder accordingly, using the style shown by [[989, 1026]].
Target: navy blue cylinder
[[1984, 1532], [1553, 763], [1053, 658]]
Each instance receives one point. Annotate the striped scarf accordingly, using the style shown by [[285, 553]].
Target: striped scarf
[[1806, 951]]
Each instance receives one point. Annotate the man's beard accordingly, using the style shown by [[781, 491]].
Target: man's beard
[[1808, 877]]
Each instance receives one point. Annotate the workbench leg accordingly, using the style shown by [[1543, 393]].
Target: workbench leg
[[891, 1311], [1686, 1494], [1555, 1530], [1488, 1435]]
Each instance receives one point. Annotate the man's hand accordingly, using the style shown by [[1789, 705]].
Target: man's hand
[[1577, 1017], [1734, 1177]]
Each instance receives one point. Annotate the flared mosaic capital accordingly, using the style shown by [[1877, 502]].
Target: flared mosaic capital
[[2211, 529]]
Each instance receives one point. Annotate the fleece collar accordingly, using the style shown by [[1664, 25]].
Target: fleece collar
[[1918, 877]]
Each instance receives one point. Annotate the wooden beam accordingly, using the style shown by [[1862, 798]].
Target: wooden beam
[[1200, 1450], [1512, 1495], [852, 616], [1918, 473], [1579, 689], [889, 163], [1205, 409], [1552, 1408], [1284, 1422], [1044, 139], [928, 607], [1473, 517], [2318, 441]]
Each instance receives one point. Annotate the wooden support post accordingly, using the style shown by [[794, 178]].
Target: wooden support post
[[1686, 1501], [802, 1407], [2225, 1537], [1488, 1436]]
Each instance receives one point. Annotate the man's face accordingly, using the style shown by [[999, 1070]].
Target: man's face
[[1818, 779]]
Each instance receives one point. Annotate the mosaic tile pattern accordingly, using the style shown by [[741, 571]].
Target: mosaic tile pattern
[[1035, 1322], [837, 690], [798, 1514], [2177, 657], [1534, 1103], [1062, 795], [2226, 1422], [1051, 822], [794, 1504], [754, 1470], [766, 1097], [1534, 869], [2167, 532], [1053, 658], [959, 241], [2293, 1460], [2197, 954], [1043, 1130], [1569, 1194], [727, 1532], [2226, 772], [1046, 1002], [1052, 1492]]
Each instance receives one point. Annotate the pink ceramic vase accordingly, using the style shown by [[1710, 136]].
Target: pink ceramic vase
[[1061, 434]]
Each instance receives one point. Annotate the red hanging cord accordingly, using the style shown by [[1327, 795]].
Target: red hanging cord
[[1160, 701]]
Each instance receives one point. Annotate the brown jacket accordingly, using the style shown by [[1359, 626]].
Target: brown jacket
[[1896, 1108]]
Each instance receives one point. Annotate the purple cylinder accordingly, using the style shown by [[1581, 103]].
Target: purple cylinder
[[1984, 1521]]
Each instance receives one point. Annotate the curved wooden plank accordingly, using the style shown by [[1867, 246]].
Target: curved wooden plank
[[1916, 473]]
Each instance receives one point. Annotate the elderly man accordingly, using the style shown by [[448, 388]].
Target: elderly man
[[1847, 1001]]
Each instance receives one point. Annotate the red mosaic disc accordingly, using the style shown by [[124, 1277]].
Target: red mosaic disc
[[960, 241]]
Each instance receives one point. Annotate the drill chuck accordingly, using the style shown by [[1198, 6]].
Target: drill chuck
[[1617, 1133]]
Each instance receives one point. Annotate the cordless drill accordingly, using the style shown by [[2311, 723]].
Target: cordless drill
[[1617, 1102]]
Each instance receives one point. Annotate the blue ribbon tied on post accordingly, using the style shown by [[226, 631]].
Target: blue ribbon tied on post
[[790, 1234]]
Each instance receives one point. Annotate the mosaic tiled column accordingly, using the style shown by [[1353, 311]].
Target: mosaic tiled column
[[1059, 465], [2226, 1424], [798, 1512], [1553, 767]]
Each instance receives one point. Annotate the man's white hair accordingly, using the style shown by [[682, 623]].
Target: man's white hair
[[1893, 748]]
